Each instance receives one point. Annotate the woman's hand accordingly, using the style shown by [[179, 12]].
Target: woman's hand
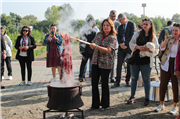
[[26, 47], [146, 49], [50, 35], [93, 45], [20, 47], [4, 56], [167, 37], [142, 48]]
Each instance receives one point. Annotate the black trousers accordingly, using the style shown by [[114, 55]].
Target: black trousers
[[83, 63], [0, 73], [8, 65], [96, 73], [120, 61], [24, 61]]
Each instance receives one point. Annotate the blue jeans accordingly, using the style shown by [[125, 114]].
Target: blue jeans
[[90, 67], [146, 73]]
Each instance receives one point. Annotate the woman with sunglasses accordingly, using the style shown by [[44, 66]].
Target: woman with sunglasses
[[142, 63], [54, 50], [25, 44], [170, 47]]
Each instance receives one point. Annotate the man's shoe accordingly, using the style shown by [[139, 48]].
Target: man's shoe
[[178, 117], [10, 78], [80, 79], [174, 110], [146, 102], [115, 85], [2, 87], [159, 108], [131, 100], [128, 84]]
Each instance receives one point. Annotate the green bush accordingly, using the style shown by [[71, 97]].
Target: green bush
[[39, 52]]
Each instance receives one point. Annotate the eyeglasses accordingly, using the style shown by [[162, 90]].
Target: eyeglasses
[[25, 30]]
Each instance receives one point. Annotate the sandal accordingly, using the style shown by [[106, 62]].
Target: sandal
[[102, 109]]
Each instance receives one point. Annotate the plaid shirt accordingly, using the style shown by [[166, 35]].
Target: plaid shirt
[[104, 60]]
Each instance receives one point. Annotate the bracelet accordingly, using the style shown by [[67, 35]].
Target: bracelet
[[96, 47]]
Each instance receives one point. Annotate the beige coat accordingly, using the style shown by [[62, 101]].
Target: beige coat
[[168, 48]]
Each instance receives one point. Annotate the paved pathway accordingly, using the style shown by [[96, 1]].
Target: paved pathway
[[29, 102]]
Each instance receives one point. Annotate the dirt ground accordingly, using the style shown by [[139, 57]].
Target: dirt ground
[[32, 106]]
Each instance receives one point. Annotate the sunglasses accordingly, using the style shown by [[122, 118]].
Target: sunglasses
[[25, 30]]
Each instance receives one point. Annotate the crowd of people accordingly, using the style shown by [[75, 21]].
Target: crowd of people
[[115, 39]]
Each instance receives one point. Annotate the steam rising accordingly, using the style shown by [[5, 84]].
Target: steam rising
[[65, 26]]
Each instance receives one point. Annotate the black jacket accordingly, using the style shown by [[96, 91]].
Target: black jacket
[[3, 47], [162, 34], [129, 32], [30, 51], [84, 48]]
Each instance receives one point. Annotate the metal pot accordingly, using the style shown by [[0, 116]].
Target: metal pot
[[65, 98]]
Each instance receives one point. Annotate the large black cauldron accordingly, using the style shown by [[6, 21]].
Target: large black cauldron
[[65, 98]]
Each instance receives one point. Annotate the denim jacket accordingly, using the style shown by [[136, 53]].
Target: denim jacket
[[58, 41]]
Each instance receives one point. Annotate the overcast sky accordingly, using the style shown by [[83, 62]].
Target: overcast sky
[[99, 9]]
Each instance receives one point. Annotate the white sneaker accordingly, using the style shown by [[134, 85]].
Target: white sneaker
[[10, 78], [29, 83], [2, 77], [159, 108], [22, 83], [174, 110], [52, 80]]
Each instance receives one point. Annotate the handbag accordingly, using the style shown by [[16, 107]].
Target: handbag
[[131, 60], [160, 55]]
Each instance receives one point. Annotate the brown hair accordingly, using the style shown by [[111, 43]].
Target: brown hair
[[113, 31], [29, 33], [4, 31], [151, 32]]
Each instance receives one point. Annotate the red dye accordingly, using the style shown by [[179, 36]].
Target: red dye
[[66, 67]]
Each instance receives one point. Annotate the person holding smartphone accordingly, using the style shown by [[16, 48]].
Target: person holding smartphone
[[54, 50], [170, 45]]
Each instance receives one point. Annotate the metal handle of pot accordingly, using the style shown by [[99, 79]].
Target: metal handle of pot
[[80, 90], [49, 91]]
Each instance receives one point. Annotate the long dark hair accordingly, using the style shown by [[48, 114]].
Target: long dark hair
[[29, 33], [151, 32]]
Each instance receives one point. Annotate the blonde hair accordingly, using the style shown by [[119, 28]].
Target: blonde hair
[[113, 31]]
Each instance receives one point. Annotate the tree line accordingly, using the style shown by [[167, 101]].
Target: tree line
[[55, 13]]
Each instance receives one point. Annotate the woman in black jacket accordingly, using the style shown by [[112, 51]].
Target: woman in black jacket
[[3, 55], [25, 44]]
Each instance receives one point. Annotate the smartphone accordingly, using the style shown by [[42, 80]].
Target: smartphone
[[166, 31], [52, 32]]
